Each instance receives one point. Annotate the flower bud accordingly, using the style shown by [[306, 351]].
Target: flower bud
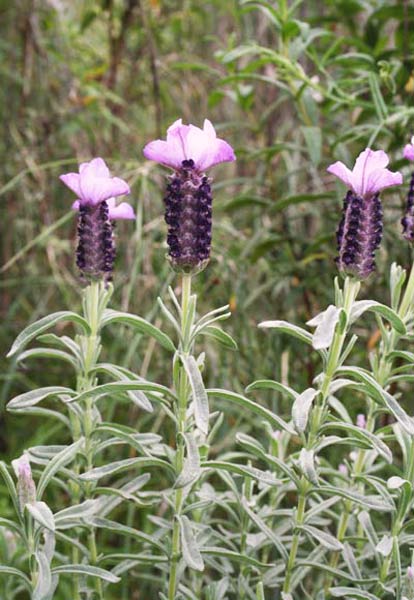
[[26, 488], [361, 421]]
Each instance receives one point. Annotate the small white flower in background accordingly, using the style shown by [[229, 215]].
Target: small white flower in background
[[26, 487]]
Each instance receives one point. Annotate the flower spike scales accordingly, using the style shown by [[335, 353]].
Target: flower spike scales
[[96, 204], [360, 231], [407, 221], [189, 151]]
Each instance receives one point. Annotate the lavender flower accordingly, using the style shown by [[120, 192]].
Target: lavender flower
[[26, 488], [407, 221], [97, 209], [360, 230], [190, 151]]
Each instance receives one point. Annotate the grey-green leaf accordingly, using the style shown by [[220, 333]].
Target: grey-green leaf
[[41, 514], [140, 324], [35, 329], [191, 552], [301, 408], [200, 398]]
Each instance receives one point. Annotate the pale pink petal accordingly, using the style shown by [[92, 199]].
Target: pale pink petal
[[71, 180], [223, 152], [185, 142], [367, 162], [381, 179], [208, 128], [76, 205], [96, 189], [342, 172], [122, 211], [98, 167], [408, 152], [163, 153]]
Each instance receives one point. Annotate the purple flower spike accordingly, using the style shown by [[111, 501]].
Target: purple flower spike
[[190, 151], [360, 230], [408, 151], [359, 235], [407, 221], [369, 175], [96, 204], [187, 142]]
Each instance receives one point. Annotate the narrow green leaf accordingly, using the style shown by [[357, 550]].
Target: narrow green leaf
[[242, 470], [192, 468], [346, 592], [269, 384], [326, 539], [269, 533], [390, 315], [54, 466], [301, 409], [16, 573], [221, 336], [373, 440], [123, 465], [269, 416], [44, 578], [35, 329], [41, 514], [87, 570], [28, 399], [123, 386], [199, 395], [191, 552], [52, 353], [140, 324], [286, 327]]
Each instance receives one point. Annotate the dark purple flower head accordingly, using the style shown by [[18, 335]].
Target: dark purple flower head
[[96, 204], [360, 230], [190, 151], [407, 221]]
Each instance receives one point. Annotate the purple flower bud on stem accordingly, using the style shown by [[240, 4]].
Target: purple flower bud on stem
[[188, 210], [361, 421], [408, 219], [95, 253], [26, 488], [359, 234]]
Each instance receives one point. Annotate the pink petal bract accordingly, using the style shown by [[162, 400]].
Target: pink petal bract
[[185, 142], [408, 151], [93, 183], [369, 175]]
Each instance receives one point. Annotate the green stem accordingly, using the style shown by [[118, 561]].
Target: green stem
[[95, 300], [182, 391], [351, 288]]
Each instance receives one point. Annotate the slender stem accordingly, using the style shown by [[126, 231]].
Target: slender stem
[[94, 301], [182, 392], [351, 288]]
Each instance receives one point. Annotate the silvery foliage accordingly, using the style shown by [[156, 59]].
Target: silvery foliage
[[307, 506]]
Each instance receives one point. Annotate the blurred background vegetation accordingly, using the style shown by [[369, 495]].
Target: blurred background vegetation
[[292, 86]]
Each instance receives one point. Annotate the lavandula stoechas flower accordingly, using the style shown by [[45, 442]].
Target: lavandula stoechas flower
[[360, 230], [96, 191], [190, 151], [407, 221]]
